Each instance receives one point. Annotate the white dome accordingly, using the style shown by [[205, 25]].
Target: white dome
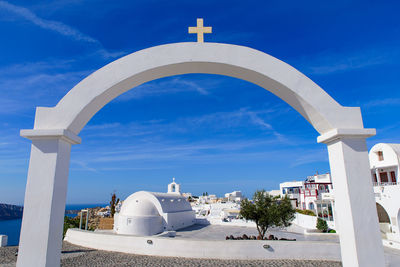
[[148, 213], [139, 204]]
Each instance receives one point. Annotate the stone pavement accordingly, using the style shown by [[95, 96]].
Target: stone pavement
[[219, 232], [79, 256]]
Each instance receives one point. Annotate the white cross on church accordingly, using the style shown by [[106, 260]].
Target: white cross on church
[[200, 30]]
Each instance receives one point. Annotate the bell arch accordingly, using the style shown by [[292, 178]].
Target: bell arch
[[57, 128]]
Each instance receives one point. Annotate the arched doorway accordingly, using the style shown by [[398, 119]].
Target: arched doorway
[[57, 128], [384, 220], [383, 216]]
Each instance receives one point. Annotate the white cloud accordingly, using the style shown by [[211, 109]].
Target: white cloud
[[218, 121], [163, 87], [309, 156], [55, 26], [35, 88], [332, 62], [58, 27], [383, 102]]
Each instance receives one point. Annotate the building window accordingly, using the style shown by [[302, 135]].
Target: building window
[[393, 177], [384, 177], [380, 155]]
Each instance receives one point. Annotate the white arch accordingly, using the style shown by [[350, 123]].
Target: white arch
[[99, 88], [56, 129]]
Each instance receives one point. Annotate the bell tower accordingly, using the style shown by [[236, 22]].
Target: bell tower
[[174, 188]]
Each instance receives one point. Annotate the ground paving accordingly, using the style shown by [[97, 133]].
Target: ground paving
[[74, 256], [219, 232]]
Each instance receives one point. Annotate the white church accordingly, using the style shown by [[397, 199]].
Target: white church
[[149, 213]]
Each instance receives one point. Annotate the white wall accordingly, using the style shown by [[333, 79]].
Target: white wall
[[139, 225], [178, 220], [3, 240], [224, 249], [309, 222], [389, 197], [390, 157]]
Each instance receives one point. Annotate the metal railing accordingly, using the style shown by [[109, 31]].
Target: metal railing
[[385, 184]]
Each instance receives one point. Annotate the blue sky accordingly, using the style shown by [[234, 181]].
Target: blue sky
[[213, 133]]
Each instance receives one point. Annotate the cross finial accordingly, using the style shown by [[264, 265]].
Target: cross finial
[[173, 179], [200, 30]]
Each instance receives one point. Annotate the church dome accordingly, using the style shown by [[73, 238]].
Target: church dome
[[139, 204]]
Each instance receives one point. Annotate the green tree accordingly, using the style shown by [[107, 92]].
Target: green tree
[[267, 211], [70, 223], [322, 225], [114, 201]]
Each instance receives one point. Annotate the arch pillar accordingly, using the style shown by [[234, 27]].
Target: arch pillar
[[45, 196], [360, 239]]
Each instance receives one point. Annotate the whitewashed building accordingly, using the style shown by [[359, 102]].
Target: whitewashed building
[[315, 194], [384, 161], [207, 199], [148, 213], [235, 196]]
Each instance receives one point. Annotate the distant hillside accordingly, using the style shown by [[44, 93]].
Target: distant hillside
[[9, 212]]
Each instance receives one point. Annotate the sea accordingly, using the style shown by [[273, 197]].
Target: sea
[[12, 228]]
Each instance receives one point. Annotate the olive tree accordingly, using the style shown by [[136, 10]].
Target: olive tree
[[267, 211]]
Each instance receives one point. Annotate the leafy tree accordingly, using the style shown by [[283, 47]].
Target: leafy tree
[[114, 201], [70, 223], [267, 211], [322, 225]]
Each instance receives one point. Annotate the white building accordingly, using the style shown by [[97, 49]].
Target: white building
[[207, 199], [384, 161], [148, 213], [235, 196], [315, 194], [275, 193]]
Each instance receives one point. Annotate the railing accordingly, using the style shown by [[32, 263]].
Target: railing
[[385, 184]]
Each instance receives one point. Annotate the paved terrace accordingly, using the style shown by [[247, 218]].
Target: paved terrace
[[73, 255], [76, 256], [219, 232]]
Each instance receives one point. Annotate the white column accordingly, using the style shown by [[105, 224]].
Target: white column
[[44, 205], [360, 239], [378, 177]]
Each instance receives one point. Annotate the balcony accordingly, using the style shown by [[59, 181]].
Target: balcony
[[293, 195], [385, 183]]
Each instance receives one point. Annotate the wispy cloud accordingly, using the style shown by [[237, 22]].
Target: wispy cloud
[[55, 26], [58, 27], [332, 62], [309, 156], [216, 122], [102, 126], [163, 87], [383, 102], [33, 88], [165, 154]]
